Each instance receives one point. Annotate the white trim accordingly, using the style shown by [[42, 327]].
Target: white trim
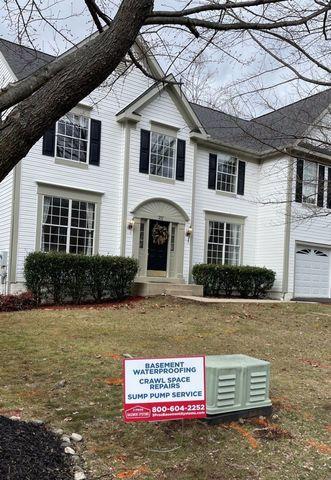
[[68, 187]]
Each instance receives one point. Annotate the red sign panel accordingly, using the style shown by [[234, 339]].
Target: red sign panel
[[164, 389]]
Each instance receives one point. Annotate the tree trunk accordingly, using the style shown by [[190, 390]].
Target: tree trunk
[[90, 65]]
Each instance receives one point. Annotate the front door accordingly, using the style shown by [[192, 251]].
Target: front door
[[158, 248]]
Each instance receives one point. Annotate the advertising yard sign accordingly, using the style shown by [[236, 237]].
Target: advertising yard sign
[[157, 389]]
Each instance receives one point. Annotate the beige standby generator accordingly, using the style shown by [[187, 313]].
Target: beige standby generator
[[236, 383]]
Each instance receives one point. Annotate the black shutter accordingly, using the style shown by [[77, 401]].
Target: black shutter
[[321, 184], [212, 171], [180, 167], [299, 178], [241, 177], [49, 142], [328, 201], [145, 138], [95, 142]]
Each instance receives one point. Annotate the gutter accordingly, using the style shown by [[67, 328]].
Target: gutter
[[207, 140]]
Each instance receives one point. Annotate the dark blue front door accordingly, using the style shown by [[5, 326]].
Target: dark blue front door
[[157, 250]]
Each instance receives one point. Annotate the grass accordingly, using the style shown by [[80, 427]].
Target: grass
[[83, 346]]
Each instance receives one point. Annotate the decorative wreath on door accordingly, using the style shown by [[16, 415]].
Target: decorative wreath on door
[[160, 234]]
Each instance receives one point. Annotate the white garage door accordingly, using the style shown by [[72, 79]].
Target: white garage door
[[312, 272]]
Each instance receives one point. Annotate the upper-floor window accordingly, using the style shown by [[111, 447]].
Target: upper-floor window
[[224, 241], [313, 183], [163, 155], [67, 225], [310, 182], [72, 136], [227, 172]]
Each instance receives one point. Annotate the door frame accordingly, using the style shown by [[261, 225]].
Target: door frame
[[165, 210]]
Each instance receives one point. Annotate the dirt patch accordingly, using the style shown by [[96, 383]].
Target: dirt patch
[[31, 452]]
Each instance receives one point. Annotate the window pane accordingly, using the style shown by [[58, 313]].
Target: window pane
[[82, 237], [310, 182], [55, 225], [227, 174], [163, 151], [142, 234], [223, 243], [72, 138]]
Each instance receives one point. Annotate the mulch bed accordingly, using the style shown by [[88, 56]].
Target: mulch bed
[[128, 302], [31, 452]]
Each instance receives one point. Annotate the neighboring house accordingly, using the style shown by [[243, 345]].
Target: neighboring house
[[122, 170]]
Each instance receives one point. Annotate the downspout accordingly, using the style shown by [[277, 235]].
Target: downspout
[[287, 231]]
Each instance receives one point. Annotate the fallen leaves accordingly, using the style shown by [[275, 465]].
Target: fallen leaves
[[282, 403], [15, 412], [114, 381], [133, 473], [314, 363], [114, 356], [320, 447], [267, 430], [245, 433]]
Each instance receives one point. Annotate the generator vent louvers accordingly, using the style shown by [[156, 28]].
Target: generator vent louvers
[[258, 387], [226, 390], [236, 383]]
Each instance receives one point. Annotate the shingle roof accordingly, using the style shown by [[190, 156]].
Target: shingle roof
[[275, 130], [23, 60]]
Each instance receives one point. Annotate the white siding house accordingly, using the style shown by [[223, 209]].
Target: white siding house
[[120, 168]]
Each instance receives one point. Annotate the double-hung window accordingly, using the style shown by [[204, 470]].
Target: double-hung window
[[224, 240], [72, 138], [227, 174], [162, 155], [310, 182], [67, 225]]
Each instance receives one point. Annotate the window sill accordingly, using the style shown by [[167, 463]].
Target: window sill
[[156, 178], [227, 194], [71, 163]]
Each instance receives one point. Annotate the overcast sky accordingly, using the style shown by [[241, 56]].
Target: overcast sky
[[226, 71]]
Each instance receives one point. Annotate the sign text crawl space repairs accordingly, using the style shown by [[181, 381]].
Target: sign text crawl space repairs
[[164, 389]]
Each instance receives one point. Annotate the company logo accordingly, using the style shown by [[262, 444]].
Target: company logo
[[138, 412]]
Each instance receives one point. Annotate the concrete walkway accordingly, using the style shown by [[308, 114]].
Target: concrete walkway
[[234, 300]]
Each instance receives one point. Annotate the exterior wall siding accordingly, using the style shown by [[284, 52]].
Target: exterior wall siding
[[224, 204], [107, 177], [6, 186], [141, 187], [268, 240], [271, 222], [304, 230]]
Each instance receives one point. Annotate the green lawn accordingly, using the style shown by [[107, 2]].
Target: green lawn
[[84, 346]]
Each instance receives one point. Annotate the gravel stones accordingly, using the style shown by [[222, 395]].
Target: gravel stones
[[75, 437], [69, 451]]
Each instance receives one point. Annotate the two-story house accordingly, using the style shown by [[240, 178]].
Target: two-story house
[[140, 171]]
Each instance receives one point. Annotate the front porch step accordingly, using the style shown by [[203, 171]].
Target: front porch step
[[149, 289]]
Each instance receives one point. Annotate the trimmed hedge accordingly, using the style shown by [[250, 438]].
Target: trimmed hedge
[[14, 303], [60, 277], [228, 279]]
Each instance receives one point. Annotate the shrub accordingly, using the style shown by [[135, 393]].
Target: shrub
[[226, 279], [21, 301], [61, 277], [254, 281]]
